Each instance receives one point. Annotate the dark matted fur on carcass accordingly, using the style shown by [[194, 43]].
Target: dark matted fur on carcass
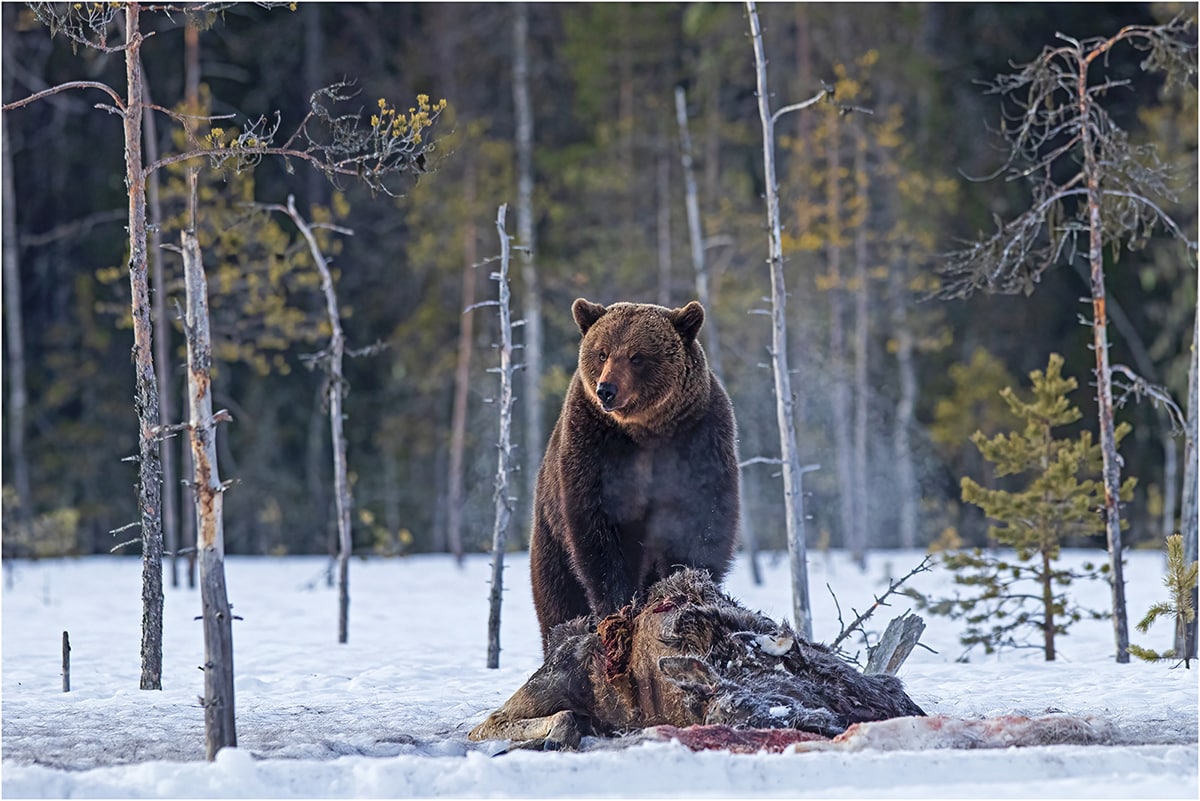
[[687, 655]]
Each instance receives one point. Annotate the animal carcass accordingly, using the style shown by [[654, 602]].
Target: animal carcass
[[688, 655]]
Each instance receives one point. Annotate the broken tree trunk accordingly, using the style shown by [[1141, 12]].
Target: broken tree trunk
[[897, 642], [501, 498], [219, 729]]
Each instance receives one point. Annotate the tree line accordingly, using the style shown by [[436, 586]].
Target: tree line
[[889, 383]]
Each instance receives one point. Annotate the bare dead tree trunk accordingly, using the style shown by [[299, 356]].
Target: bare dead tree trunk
[[162, 348], [793, 495], [146, 378], [500, 497], [219, 726], [332, 360], [1108, 442], [341, 482], [1188, 522], [462, 382], [14, 340], [862, 311], [905, 405], [700, 271], [531, 298]]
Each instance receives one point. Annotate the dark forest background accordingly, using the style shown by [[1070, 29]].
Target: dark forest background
[[610, 225]]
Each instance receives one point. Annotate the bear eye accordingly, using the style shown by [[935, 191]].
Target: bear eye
[[602, 356], [635, 359]]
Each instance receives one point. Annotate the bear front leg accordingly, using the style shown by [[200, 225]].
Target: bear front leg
[[599, 565], [591, 534], [557, 595]]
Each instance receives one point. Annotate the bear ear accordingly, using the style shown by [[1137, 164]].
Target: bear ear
[[687, 321], [586, 313]]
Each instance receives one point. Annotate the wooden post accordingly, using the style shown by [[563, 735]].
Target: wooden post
[[501, 497], [219, 727], [66, 656]]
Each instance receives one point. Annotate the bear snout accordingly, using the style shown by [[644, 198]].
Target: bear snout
[[606, 391]]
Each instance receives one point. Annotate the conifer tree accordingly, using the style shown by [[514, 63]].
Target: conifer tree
[[1180, 581], [1056, 498]]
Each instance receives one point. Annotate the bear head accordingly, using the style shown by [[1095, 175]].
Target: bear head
[[638, 362]]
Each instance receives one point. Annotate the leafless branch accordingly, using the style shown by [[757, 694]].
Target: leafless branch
[[880, 600], [1137, 387], [63, 87], [1046, 130], [125, 544]]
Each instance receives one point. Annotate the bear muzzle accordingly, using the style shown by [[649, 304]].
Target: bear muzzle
[[607, 391]]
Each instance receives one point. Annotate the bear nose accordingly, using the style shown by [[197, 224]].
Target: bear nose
[[606, 392]]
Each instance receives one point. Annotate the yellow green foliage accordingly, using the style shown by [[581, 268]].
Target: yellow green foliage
[[1058, 500]]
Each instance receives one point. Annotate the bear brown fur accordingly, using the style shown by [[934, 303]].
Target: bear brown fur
[[640, 476]]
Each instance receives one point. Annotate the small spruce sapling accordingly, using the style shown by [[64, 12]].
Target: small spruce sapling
[[1180, 581], [1057, 498]]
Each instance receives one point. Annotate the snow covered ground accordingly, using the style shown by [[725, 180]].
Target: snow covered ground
[[387, 714]]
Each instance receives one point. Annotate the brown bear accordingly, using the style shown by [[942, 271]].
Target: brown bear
[[640, 476]]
